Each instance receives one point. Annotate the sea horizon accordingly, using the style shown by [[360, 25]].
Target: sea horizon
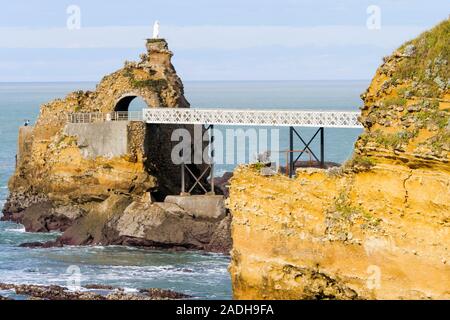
[[259, 80]]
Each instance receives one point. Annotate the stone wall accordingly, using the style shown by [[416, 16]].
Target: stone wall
[[24, 142], [103, 139]]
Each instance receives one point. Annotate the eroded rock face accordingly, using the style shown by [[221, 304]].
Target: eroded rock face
[[376, 228], [124, 220], [406, 107]]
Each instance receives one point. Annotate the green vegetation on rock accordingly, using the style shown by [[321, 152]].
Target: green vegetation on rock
[[440, 143], [426, 61], [394, 101], [394, 140], [155, 84], [360, 163], [436, 118], [343, 215]]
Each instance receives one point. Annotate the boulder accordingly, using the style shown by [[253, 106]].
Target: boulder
[[163, 225]]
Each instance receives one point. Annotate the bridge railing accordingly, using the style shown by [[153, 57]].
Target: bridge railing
[[286, 118], [231, 117], [92, 117]]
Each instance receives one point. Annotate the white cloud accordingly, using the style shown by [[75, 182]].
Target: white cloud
[[211, 37]]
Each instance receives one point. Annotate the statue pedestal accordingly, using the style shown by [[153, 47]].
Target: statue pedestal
[[157, 45]]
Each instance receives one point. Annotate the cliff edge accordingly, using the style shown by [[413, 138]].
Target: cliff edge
[[375, 228]]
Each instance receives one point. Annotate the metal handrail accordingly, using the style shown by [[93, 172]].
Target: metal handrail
[[92, 117]]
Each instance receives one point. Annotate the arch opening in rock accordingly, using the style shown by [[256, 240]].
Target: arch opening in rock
[[130, 103]]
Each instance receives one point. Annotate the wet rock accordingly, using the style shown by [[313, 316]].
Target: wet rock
[[41, 217], [121, 221], [221, 241], [17, 202], [222, 183], [31, 245], [44, 245], [99, 287], [92, 229], [163, 294], [53, 292]]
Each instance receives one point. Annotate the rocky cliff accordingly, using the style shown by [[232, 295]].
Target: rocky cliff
[[375, 228], [82, 177]]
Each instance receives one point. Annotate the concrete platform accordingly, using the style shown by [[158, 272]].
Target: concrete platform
[[204, 206]]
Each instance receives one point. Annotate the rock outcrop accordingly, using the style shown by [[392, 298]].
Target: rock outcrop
[[88, 292], [375, 228], [89, 179], [55, 163]]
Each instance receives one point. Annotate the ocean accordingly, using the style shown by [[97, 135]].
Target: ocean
[[201, 275]]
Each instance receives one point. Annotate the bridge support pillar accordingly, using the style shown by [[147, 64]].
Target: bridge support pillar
[[211, 145], [290, 154], [322, 147], [198, 179]]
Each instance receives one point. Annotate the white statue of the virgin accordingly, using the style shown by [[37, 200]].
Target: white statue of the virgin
[[156, 30]]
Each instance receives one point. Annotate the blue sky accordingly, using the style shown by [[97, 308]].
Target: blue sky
[[211, 40]]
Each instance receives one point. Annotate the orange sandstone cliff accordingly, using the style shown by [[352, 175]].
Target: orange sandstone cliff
[[375, 228]]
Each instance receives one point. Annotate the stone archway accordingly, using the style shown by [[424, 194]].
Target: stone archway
[[122, 104]]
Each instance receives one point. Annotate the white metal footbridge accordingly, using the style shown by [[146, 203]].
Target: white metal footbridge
[[229, 117]]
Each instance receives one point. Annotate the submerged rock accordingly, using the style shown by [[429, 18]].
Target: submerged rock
[[49, 244], [54, 292]]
